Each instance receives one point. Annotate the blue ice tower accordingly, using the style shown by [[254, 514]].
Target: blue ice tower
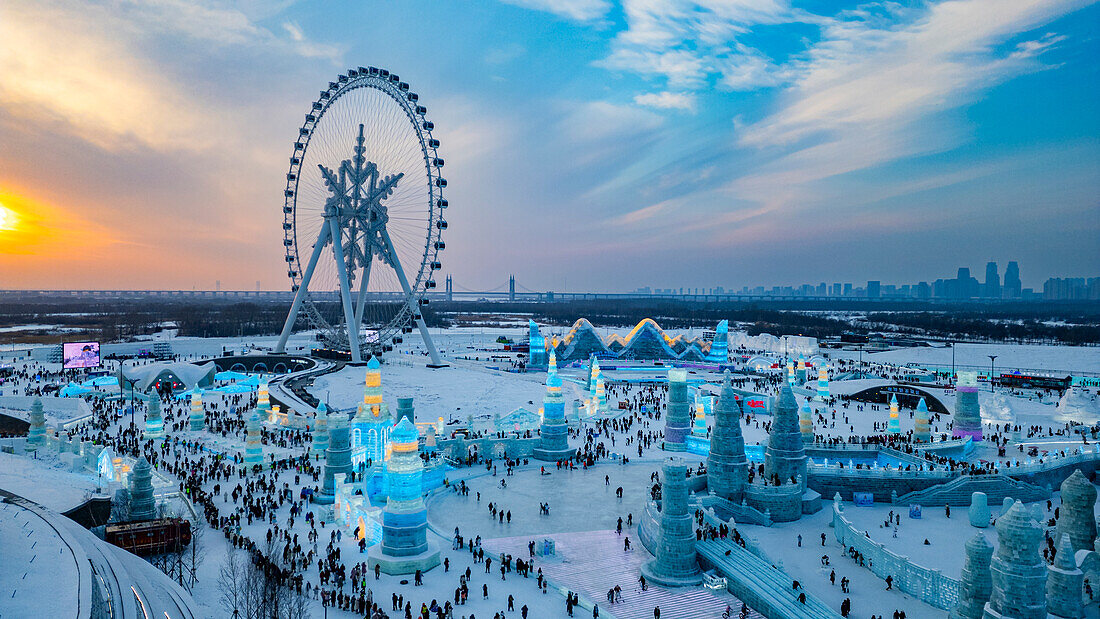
[[337, 456], [719, 346], [536, 355], [554, 433], [405, 547]]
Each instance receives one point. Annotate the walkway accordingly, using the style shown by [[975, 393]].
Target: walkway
[[589, 563]]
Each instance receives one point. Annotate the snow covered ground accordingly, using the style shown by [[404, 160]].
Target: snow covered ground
[[584, 508], [1058, 359]]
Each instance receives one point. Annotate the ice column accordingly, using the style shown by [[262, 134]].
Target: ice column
[[675, 564], [198, 414], [968, 415], [253, 452], [554, 433], [678, 413], [785, 454], [154, 422], [1018, 573], [806, 422], [36, 436], [405, 547], [1064, 583], [727, 466], [1075, 516], [976, 583], [337, 456], [893, 426], [922, 424], [142, 505]]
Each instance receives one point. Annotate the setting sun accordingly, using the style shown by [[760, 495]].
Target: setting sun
[[8, 218]]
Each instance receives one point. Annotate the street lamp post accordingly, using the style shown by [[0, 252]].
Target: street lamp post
[[952, 361], [991, 358]]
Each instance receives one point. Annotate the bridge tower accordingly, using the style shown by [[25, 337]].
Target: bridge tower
[[450, 289], [512, 288]]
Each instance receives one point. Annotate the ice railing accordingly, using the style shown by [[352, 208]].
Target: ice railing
[[929, 585]]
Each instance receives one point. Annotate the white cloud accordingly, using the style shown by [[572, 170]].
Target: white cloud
[[105, 87], [685, 42], [667, 100], [860, 92], [576, 10]]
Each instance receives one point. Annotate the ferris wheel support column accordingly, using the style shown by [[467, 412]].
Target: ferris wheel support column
[[345, 290], [362, 298], [427, 337], [300, 295]]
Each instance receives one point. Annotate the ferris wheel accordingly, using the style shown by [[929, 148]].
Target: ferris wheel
[[364, 184]]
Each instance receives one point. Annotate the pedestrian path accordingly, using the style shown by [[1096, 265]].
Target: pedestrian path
[[592, 562]]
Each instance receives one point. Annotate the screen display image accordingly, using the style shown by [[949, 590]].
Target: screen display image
[[81, 355]]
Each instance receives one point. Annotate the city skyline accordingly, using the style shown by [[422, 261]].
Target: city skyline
[[590, 145]]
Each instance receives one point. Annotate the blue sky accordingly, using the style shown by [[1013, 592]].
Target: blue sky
[[590, 145]]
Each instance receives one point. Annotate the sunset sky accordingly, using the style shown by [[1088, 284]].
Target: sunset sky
[[590, 145]]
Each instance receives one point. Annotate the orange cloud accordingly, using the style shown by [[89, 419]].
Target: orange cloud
[[37, 229]]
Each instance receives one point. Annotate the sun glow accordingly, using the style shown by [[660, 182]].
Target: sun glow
[[8, 218]]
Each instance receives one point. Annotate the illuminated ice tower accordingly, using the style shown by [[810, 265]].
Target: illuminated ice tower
[[968, 414], [719, 346], [922, 424], [806, 422], [790, 372], [823, 383], [893, 426], [536, 346], [36, 436], [678, 413], [597, 394], [372, 386], [154, 422], [337, 456], [198, 414], [263, 401], [554, 434], [405, 547], [801, 372], [253, 451], [320, 429]]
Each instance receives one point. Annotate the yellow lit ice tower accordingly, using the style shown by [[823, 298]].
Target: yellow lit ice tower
[[198, 415], [893, 426], [372, 421], [263, 402]]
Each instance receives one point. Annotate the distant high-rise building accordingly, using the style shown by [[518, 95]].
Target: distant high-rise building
[[836, 290], [992, 281], [924, 291], [874, 289], [1012, 286], [966, 287], [847, 290]]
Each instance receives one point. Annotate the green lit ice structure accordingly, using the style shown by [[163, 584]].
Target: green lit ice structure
[[405, 547], [675, 564]]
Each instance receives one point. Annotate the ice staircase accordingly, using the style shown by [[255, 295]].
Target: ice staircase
[[762, 586], [958, 491]]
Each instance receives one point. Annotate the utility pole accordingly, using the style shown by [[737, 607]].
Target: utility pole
[[991, 358]]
